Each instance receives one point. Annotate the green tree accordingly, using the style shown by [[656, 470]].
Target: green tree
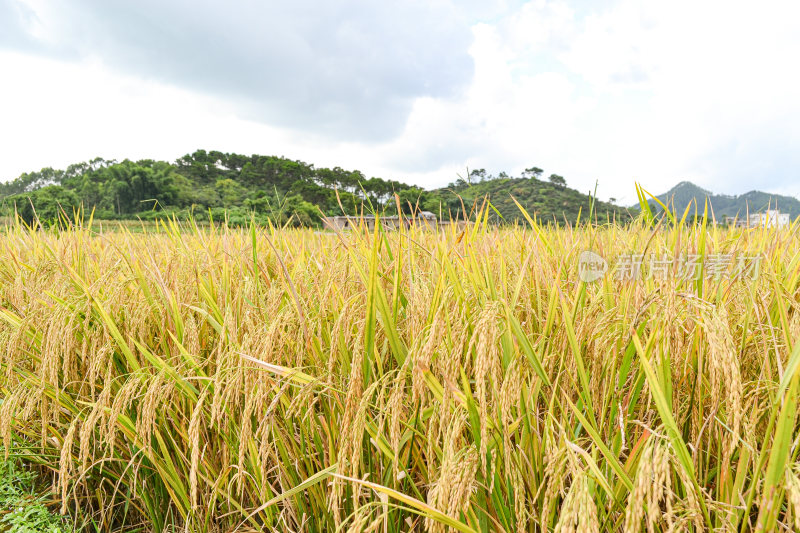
[[48, 204], [231, 193], [416, 199], [478, 174], [532, 173], [298, 212], [558, 181]]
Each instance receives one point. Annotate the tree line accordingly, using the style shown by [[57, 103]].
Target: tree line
[[214, 184], [200, 184]]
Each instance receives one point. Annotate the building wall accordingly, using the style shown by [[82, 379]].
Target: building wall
[[770, 219]]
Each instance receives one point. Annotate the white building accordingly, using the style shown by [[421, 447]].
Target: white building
[[771, 218]]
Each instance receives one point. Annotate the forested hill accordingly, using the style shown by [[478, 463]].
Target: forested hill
[[232, 184], [217, 184], [550, 200]]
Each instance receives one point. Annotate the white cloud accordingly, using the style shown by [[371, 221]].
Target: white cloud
[[647, 91], [718, 85], [504, 121], [348, 69], [56, 113]]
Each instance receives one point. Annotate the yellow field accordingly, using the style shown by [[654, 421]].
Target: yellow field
[[218, 380]]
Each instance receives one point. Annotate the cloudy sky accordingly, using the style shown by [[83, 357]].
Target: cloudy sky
[[614, 91]]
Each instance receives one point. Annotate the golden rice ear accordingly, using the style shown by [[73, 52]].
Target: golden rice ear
[[724, 375], [578, 511], [456, 476], [156, 393], [487, 372], [8, 410], [422, 358], [397, 414], [93, 423], [66, 466], [194, 433], [555, 473]]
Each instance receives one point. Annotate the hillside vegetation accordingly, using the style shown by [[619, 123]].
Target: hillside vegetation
[[549, 201], [219, 185], [201, 184]]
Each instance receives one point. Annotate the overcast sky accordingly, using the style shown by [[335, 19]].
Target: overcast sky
[[616, 91]]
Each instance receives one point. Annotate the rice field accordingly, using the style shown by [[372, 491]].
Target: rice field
[[212, 379]]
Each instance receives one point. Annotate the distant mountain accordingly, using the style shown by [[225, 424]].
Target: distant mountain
[[723, 205]]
